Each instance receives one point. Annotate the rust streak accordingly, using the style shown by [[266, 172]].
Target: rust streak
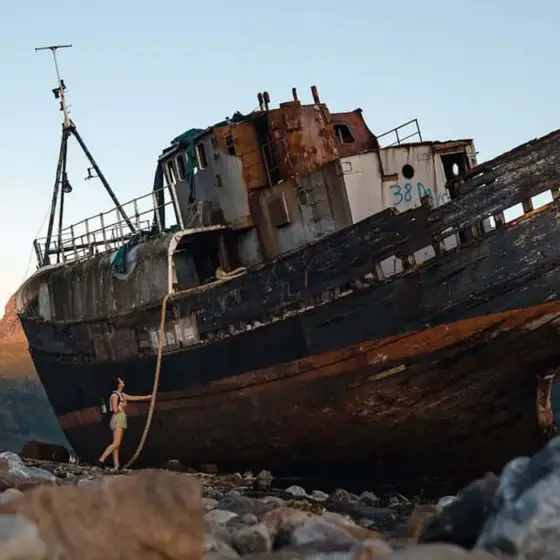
[[338, 363]]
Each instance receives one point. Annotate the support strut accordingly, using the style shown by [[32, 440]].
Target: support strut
[[61, 179]]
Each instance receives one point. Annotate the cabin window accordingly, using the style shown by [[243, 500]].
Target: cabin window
[[171, 172], [408, 171], [230, 144], [181, 167], [201, 155], [343, 133]]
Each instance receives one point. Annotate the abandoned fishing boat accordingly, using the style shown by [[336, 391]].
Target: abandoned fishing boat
[[320, 297]]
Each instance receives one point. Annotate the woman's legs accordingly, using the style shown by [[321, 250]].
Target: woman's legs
[[117, 439], [118, 436]]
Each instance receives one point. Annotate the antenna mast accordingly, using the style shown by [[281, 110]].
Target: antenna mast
[[59, 91], [69, 128]]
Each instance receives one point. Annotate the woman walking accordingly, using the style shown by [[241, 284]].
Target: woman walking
[[118, 424]]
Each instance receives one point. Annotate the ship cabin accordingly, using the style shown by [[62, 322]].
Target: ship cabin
[[241, 193], [282, 177]]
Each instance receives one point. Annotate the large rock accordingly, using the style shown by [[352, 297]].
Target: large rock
[[525, 521], [146, 515], [462, 521], [45, 451]]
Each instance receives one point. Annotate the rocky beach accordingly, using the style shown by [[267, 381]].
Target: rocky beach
[[62, 511]]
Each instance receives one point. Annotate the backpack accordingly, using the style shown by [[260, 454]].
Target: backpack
[[105, 406]]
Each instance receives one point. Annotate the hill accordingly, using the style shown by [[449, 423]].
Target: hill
[[25, 412]]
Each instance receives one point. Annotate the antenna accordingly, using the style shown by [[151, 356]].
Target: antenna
[[59, 91], [61, 179]]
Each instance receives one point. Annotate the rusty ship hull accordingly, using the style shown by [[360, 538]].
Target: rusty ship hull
[[317, 358], [363, 388]]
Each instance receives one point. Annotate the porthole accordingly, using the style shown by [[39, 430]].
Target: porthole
[[408, 171]]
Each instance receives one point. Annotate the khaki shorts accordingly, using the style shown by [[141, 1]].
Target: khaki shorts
[[118, 420]]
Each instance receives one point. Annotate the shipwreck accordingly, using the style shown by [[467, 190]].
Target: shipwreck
[[309, 296]]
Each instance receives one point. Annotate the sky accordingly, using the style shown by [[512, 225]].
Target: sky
[[141, 72]]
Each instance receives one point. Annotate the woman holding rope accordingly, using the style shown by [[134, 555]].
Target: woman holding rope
[[118, 424]]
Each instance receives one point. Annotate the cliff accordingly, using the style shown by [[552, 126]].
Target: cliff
[[14, 357], [25, 413], [9, 324]]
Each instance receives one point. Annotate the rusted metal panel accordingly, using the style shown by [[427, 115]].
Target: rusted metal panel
[[303, 138], [315, 204], [362, 139], [245, 145], [452, 146]]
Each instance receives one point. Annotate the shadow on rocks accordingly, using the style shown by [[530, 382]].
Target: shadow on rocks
[[515, 516], [461, 522]]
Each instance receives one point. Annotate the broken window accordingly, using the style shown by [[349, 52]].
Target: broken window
[[181, 167], [343, 133], [230, 145], [201, 155], [171, 172]]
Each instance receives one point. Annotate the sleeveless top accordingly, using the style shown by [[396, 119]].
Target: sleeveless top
[[122, 401]]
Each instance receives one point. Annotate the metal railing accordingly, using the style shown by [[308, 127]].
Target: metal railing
[[107, 231], [398, 138]]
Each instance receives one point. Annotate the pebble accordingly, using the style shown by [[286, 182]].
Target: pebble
[[297, 491], [220, 516], [322, 534], [253, 539], [213, 545], [242, 504], [343, 497], [368, 499], [319, 496], [10, 494], [209, 503]]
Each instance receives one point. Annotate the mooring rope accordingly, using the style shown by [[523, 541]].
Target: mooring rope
[[156, 382], [225, 277]]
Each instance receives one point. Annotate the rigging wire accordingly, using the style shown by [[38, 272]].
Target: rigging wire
[[35, 237]]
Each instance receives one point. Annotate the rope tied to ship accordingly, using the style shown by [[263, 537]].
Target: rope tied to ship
[[155, 386], [223, 277]]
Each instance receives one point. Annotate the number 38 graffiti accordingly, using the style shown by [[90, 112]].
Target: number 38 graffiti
[[405, 193], [401, 194]]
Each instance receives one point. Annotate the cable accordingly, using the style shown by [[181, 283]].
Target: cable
[[31, 252]]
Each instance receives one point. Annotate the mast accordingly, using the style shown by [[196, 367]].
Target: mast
[[61, 184]]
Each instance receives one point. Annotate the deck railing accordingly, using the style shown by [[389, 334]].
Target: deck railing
[[412, 131], [107, 231]]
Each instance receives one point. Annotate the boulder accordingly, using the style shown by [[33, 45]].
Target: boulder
[[145, 515]]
